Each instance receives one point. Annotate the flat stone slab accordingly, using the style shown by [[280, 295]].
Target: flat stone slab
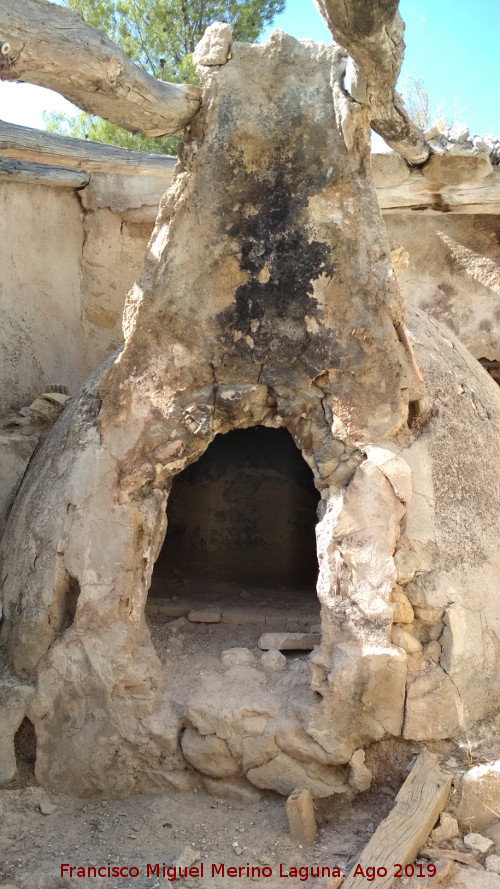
[[205, 616], [289, 641]]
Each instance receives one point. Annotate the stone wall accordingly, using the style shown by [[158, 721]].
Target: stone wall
[[68, 261], [68, 257]]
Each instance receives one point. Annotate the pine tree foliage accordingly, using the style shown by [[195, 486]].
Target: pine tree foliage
[[159, 36]]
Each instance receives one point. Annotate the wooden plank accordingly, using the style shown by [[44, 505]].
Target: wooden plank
[[399, 837], [26, 144], [53, 47], [41, 174]]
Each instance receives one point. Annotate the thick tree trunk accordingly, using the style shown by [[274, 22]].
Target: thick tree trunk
[[53, 47], [372, 34]]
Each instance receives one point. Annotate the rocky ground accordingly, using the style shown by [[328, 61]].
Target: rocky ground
[[42, 831], [184, 828]]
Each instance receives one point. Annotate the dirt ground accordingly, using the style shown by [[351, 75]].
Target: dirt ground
[[148, 829], [187, 829], [41, 831]]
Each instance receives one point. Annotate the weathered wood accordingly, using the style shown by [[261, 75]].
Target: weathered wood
[[372, 34], [399, 837], [434, 853], [53, 47], [24, 143], [417, 194], [18, 171]]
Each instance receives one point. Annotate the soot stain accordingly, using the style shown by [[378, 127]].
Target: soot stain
[[273, 239]]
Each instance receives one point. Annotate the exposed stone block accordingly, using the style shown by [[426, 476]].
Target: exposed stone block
[[273, 660], [403, 611], [478, 843], [294, 741], [405, 640], [214, 46], [360, 777], [432, 707], [301, 817], [283, 774], [446, 830], [480, 797], [209, 754], [289, 641]]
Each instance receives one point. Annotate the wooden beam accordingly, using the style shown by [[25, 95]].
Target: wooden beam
[[52, 46], [26, 144], [372, 35], [41, 174], [399, 837], [418, 195], [408, 191]]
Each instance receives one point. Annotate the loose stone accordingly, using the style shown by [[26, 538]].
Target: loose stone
[[289, 641]]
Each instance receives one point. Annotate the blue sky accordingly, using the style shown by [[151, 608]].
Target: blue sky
[[452, 45]]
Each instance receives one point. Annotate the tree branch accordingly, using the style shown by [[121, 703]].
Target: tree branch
[[52, 46], [372, 33]]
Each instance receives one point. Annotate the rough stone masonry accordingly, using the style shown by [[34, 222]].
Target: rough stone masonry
[[267, 297]]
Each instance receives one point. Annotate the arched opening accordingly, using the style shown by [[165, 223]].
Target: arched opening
[[241, 523], [71, 594], [25, 750]]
